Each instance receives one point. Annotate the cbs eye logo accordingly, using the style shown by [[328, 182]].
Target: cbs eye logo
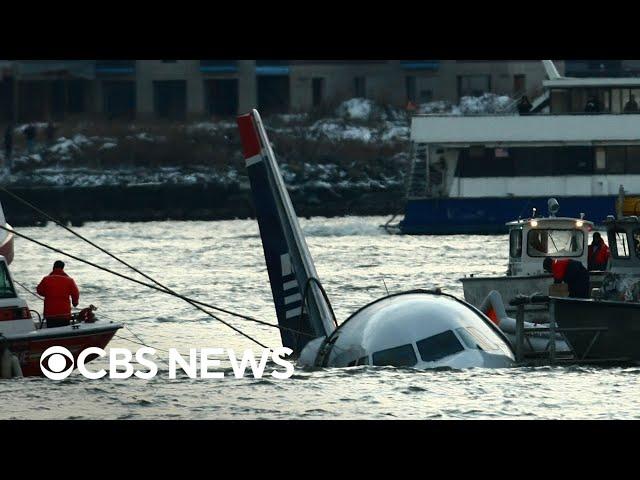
[[56, 363]]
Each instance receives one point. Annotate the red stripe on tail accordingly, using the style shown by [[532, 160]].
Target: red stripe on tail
[[248, 136]]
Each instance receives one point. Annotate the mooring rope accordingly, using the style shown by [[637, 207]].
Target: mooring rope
[[158, 286], [140, 272]]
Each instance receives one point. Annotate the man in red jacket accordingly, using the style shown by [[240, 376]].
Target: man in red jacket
[[598, 253], [572, 272], [57, 288]]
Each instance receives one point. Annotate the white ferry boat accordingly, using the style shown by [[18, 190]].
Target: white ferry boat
[[579, 142]]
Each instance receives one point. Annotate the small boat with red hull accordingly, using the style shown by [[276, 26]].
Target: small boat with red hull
[[28, 338]]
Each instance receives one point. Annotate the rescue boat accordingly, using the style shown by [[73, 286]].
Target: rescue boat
[[29, 337], [530, 241], [606, 327]]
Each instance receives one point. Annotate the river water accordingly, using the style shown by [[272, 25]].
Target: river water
[[222, 263]]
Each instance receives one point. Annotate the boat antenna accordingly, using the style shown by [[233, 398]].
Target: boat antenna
[[384, 283]]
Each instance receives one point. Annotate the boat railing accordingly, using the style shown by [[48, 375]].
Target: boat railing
[[516, 114], [549, 355]]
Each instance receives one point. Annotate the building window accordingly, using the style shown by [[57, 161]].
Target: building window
[[221, 96], [360, 87], [426, 96], [119, 99], [273, 93], [473, 85], [317, 89], [519, 84], [170, 99], [410, 82]]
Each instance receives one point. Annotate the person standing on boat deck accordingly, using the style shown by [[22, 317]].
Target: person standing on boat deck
[[631, 106], [571, 272], [598, 253], [524, 105], [57, 288], [592, 105]]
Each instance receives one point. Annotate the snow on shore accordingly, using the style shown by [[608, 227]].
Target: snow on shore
[[71, 160]]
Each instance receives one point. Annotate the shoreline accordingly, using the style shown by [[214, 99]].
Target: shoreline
[[143, 203]]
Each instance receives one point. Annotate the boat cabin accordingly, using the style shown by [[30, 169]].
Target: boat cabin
[[624, 243], [533, 239], [593, 95], [15, 316]]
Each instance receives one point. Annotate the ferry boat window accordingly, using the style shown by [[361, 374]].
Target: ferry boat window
[[363, 361], [626, 104], [560, 101], [6, 286], [478, 161], [555, 243], [616, 158], [618, 243], [632, 164], [403, 356], [439, 346], [571, 160], [515, 243]]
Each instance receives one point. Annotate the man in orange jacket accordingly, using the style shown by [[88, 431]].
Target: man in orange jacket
[[57, 288], [572, 272]]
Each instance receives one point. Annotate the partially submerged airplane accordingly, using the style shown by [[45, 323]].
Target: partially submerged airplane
[[416, 328]]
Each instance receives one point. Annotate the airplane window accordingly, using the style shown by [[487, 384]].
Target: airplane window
[[472, 338], [439, 346], [467, 338], [403, 356]]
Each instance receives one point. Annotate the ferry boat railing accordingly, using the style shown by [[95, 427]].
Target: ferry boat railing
[[550, 355], [418, 181]]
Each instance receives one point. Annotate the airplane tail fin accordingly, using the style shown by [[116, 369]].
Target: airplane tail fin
[[292, 274]]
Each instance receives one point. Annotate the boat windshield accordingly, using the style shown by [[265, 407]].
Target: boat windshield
[[555, 243], [6, 285]]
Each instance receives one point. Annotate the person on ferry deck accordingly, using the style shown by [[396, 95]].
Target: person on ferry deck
[[572, 272], [524, 105], [631, 106], [598, 253], [57, 288], [592, 106]]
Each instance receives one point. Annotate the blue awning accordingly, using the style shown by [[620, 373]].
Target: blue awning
[[219, 69], [218, 66], [272, 70], [420, 64]]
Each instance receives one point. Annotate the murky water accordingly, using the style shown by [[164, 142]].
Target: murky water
[[222, 263]]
